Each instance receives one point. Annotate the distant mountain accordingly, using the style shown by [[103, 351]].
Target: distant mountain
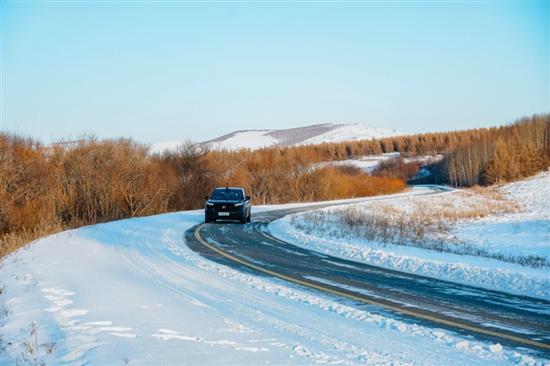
[[309, 135]]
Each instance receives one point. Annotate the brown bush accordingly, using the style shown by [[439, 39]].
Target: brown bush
[[27, 179], [397, 168], [109, 180], [43, 189], [46, 189]]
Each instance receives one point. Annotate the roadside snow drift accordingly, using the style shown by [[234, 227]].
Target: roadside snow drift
[[131, 292], [510, 237]]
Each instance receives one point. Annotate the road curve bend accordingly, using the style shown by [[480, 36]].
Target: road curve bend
[[484, 314]]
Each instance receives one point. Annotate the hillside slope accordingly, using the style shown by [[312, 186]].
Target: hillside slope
[[314, 134]]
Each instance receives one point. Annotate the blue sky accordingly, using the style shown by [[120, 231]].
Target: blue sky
[[177, 70]]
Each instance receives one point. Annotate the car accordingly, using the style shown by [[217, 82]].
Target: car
[[228, 203]]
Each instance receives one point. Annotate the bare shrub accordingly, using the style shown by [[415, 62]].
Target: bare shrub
[[26, 180], [48, 189], [107, 180], [14, 240], [397, 168]]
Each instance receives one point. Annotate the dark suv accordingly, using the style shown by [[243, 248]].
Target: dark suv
[[228, 203]]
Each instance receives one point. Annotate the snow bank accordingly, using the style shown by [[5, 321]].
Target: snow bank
[[522, 233]]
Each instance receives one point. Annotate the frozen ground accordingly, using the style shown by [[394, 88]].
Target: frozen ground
[[524, 233], [131, 292]]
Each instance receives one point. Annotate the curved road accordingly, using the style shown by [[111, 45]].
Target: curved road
[[486, 315]]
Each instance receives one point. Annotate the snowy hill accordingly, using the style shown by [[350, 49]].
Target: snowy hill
[[314, 134]]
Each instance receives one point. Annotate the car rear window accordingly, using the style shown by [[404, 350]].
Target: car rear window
[[227, 194]]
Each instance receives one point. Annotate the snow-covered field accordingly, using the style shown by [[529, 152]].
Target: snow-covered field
[[526, 232], [500, 237], [131, 292]]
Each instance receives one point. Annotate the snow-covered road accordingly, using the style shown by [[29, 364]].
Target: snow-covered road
[[132, 292]]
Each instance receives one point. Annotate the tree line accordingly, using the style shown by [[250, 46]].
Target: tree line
[[481, 156], [499, 155]]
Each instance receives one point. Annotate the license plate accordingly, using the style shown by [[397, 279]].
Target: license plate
[[223, 213]]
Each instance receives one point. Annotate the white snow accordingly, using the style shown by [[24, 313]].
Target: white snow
[[168, 146], [308, 135], [245, 140], [351, 132], [132, 292], [524, 233]]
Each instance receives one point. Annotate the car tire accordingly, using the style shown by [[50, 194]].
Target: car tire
[[243, 219], [207, 220], [249, 217]]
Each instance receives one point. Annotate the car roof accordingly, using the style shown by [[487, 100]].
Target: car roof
[[222, 188]]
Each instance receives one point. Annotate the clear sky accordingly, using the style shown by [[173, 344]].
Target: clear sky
[[178, 70]]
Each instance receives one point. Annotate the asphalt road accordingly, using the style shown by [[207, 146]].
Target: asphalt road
[[482, 314]]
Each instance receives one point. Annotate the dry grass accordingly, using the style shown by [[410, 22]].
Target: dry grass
[[424, 222], [418, 218], [10, 242], [474, 203], [29, 351], [381, 224]]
